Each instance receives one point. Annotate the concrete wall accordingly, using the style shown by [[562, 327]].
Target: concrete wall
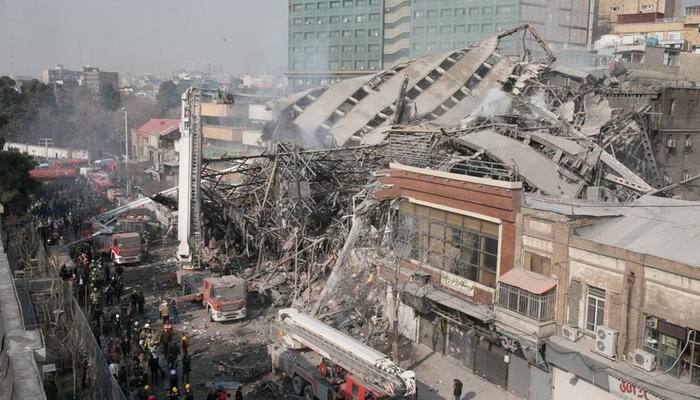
[[563, 387], [53, 152]]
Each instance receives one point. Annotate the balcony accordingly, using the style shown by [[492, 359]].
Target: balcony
[[525, 303]]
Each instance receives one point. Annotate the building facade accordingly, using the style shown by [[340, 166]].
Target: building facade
[[608, 10], [95, 79], [154, 147], [337, 39]]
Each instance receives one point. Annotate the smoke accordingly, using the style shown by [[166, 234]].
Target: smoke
[[496, 102]]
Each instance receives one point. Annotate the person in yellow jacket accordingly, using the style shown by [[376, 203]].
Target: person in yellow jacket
[[164, 311]]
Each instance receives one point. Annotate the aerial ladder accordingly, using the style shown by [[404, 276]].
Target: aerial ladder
[[362, 367], [189, 227]]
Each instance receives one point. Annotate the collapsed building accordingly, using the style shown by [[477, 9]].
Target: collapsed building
[[480, 189]]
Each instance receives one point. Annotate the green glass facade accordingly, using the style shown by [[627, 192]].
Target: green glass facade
[[442, 25], [335, 35]]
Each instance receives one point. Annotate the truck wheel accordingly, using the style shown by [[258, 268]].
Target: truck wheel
[[298, 385], [308, 393]]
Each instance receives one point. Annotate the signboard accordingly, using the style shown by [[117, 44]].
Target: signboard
[[457, 283], [629, 391]]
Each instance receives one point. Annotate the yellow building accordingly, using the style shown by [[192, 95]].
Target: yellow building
[[608, 10], [677, 32]]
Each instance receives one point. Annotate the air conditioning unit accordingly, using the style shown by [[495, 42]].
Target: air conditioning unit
[[606, 342], [688, 142], [571, 333], [686, 176], [671, 143], [644, 360]]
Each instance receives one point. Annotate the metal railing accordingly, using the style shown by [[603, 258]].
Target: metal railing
[[537, 307]]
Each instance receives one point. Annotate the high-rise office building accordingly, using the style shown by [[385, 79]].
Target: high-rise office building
[[336, 39]]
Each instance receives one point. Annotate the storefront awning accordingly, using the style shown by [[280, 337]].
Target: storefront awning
[[479, 311], [529, 281]]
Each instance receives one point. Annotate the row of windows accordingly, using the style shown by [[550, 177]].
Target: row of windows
[[336, 19], [458, 244], [421, 30], [336, 34], [457, 12], [320, 5], [432, 47], [345, 65], [348, 48]]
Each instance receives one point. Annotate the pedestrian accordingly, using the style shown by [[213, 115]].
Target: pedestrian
[[114, 369], [211, 395], [185, 343], [174, 381], [164, 311], [239, 394], [154, 367], [186, 367], [457, 389], [172, 308], [188, 392], [122, 376], [173, 394], [140, 300]]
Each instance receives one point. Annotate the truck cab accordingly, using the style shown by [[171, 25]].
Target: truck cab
[[126, 248], [225, 298]]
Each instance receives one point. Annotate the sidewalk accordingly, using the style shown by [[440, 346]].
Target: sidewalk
[[435, 374]]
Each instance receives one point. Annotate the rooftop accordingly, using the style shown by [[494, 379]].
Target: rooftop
[[158, 126], [658, 226]]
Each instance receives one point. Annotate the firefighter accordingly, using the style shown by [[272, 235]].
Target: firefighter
[[173, 394], [95, 297], [164, 311], [239, 394], [188, 392], [184, 343], [186, 367]]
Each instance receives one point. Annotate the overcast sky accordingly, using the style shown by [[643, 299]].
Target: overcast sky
[[142, 35]]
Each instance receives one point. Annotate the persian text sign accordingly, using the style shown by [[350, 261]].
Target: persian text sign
[[457, 283], [629, 391]]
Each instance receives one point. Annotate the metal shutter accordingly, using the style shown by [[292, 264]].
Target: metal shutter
[[489, 363]]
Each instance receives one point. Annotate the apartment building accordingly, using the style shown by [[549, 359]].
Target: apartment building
[[338, 39]]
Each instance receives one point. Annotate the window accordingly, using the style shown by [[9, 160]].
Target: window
[[432, 13], [334, 65], [486, 10], [374, 2], [347, 19], [347, 33], [460, 11], [595, 308], [418, 14], [474, 11], [296, 50], [348, 3], [359, 48], [360, 18], [347, 48], [473, 28], [321, 20], [334, 19], [486, 28], [309, 35], [374, 32], [334, 49], [446, 12], [335, 4], [297, 7], [361, 3], [322, 4], [504, 10], [419, 30], [614, 8], [445, 29], [460, 28], [455, 243], [309, 20], [335, 34], [360, 33], [537, 307], [537, 263], [647, 7], [373, 48], [374, 64], [347, 65], [322, 34], [310, 6], [432, 29], [298, 35], [374, 17], [297, 21], [360, 65]]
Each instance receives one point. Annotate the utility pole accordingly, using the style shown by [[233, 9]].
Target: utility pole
[[126, 152]]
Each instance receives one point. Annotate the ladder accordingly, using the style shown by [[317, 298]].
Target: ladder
[[381, 374], [195, 111]]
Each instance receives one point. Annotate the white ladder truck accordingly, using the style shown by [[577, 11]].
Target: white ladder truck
[[189, 227], [326, 364]]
